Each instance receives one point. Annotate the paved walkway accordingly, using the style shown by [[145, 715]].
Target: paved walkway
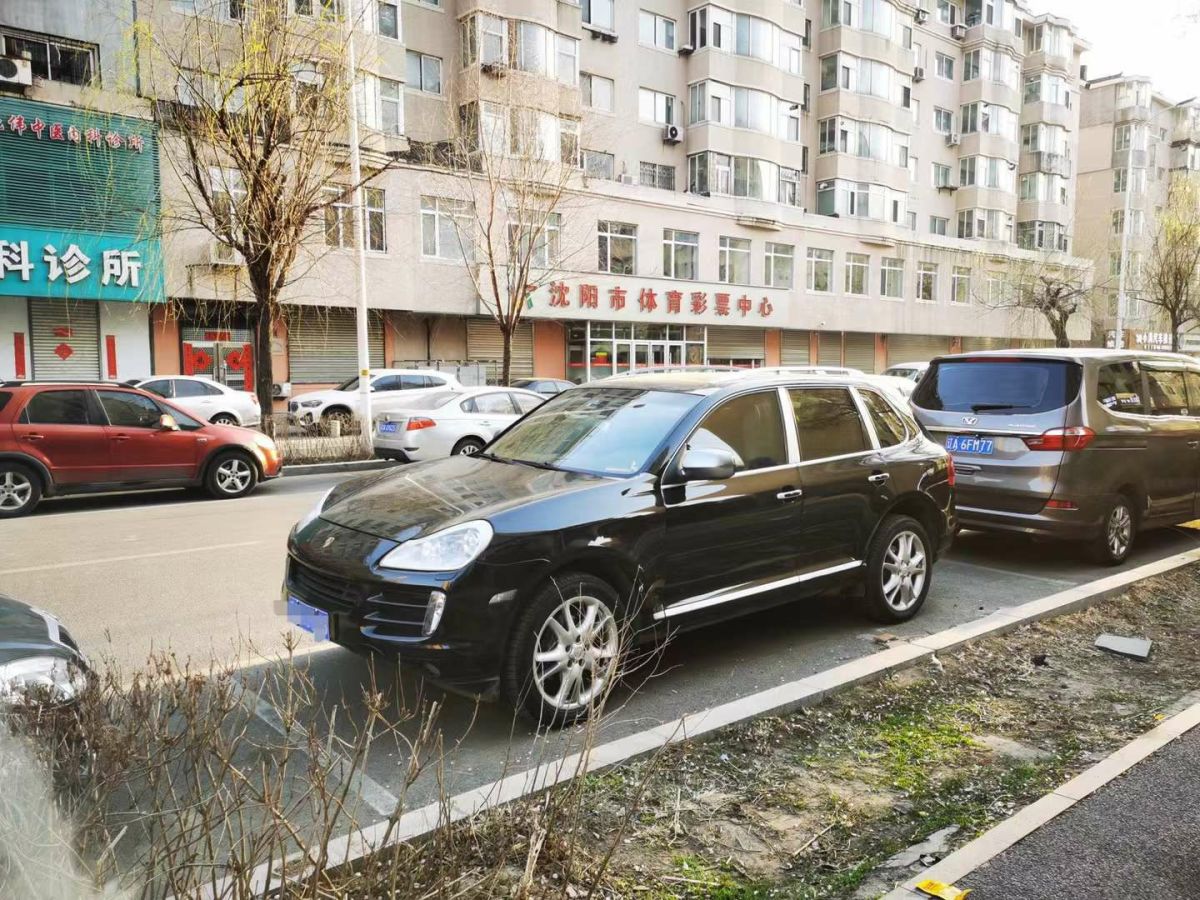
[[1138, 836]]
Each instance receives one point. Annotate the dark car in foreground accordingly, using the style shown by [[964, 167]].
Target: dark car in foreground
[[37, 654], [625, 508], [60, 439], [1084, 445]]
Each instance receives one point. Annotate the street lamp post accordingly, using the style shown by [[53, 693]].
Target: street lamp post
[[360, 239]]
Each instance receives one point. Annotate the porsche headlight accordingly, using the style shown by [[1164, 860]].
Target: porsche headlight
[[314, 512], [444, 551], [34, 673]]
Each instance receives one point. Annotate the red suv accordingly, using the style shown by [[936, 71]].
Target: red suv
[[70, 438]]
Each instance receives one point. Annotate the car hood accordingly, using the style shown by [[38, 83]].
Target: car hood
[[410, 501], [25, 632]]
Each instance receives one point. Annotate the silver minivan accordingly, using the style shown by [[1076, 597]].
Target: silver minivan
[[1087, 445]]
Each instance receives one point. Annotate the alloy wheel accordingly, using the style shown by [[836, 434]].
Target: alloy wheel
[[224, 419], [574, 656], [1119, 530], [904, 571], [15, 491], [233, 475], [468, 449]]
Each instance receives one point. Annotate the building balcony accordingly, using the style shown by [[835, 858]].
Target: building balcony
[[867, 45], [865, 108], [853, 168], [1039, 60], [1050, 113], [980, 33], [991, 92], [1050, 163], [1043, 211]]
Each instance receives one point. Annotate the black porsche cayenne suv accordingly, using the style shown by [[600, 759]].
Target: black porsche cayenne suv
[[625, 507]]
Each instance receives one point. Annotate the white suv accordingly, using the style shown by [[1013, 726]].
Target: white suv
[[207, 400], [341, 402]]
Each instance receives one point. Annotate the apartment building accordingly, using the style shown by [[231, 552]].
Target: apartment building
[[760, 182], [1134, 141]]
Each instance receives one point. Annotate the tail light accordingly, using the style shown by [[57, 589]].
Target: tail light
[[1064, 439], [950, 471], [419, 422]]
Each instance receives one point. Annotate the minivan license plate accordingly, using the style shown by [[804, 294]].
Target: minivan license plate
[[314, 621], [964, 443]]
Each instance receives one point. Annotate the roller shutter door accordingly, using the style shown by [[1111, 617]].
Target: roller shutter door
[[829, 348], [323, 344], [915, 347], [731, 342], [485, 344], [65, 340], [794, 348], [973, 344], [860, 351]]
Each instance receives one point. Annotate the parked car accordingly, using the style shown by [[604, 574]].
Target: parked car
[[448, 423], [36, 653], [341, 403], [912, 371], [547, 387], [1086, 445], [900, 387], [72, 438], [616, 507], [206, 399]]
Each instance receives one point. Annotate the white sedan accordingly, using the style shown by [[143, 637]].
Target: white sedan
[[448, 423], [207, 400]]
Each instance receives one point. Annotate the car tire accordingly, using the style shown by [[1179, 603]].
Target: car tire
[[1112, 545], [20, 490], [899, 570], [231, 475], [467, 447], [562, 655], [224, 419], [342, 415]]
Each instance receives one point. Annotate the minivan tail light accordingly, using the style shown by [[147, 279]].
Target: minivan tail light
[[419, 422], [1064, 439]]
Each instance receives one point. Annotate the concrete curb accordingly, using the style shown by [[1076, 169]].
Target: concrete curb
[[965, 860], [357, 465], [777, 700]]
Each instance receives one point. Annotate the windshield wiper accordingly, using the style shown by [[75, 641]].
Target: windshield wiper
[[536, 465], [995, 407], [493, 457]]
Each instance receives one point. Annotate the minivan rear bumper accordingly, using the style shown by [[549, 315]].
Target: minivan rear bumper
[[1079, 524]]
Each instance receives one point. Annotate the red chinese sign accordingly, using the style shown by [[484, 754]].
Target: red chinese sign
[[587, 296], [39, 129]]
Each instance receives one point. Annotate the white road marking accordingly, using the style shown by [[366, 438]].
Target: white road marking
[[997, 570], [130, 558]]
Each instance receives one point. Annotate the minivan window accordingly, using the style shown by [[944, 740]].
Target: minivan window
[[827, 423], [889, 427], [999, 386], [751, 426], [57, 408], [1168, 392], [1119, 388], [603, 431]]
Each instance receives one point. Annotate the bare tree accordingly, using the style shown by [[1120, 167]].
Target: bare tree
[[1171, 282], [257, 135]]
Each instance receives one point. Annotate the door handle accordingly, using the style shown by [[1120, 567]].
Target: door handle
[[879, 478], [790, 494], [34, 437], [120, 437]]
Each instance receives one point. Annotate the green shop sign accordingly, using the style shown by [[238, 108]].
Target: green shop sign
[[79, 204]]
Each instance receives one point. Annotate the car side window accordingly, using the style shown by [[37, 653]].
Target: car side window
[[889, 427], [751, 426], [1168, 392], [412, 382], [526, 404], [126, 410], [827, 423], [186, 389], [57, 408], [434, 381], [1193, 389], [495, 404], [1119, 388], [468, 405], [162, 387], [386, 383]]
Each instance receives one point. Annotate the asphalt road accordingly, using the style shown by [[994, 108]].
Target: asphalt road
[[138, 573], [1136, 837]]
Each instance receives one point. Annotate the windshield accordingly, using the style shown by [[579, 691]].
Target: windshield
[[351, 385], [602, 431], [900, 372], [999, 387]]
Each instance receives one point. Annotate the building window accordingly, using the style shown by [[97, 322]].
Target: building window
[[779, 265], [820, 270], [321, 9], [891, 277], [656, 31], [339, 218], [536, 242], [941, 175], [424, 72], [938, 225], [599, 13], [657, 175], [681, 254], [858, 270], [960, 285], [944, 66], [446, 229], [943, 120], [484, 40], [391, 106], [616, 247], [927, 281], [656, 107], [375, 211], [388, 17], [52, 59], [597, 92], [791, 193], [733, 260], [598, 164], [947, 12]]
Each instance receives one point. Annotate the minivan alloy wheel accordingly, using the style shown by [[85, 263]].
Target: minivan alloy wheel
[[15, 491], [233, 475], [575, 653], [904, 570], [1119, 530]]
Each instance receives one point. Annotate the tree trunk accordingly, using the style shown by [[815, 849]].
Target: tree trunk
[[506, 356], [263, 374], [1175, 326], [1059, 327]]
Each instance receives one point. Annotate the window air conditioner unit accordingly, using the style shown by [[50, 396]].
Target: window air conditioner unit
[[672, 134], [686, 50], [958, 32], [281, 391], [221, 254], [953, 139], [16, 71], [921, 16], [627, 179], [919, 73]]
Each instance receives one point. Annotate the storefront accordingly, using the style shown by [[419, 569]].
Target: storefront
[[80, 255]]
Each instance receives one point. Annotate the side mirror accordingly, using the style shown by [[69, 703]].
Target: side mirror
[[703, 464], [166, 422]]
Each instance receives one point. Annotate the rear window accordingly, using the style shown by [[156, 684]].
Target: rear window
[[999, 387], [5, 396]]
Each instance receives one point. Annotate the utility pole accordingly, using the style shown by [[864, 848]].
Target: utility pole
[[360, 234]]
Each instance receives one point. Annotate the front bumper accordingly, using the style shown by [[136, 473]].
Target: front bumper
[[1080, 524]]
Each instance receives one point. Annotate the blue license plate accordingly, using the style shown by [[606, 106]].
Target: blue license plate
[[964, 443], [309, 618], [389, 427]]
